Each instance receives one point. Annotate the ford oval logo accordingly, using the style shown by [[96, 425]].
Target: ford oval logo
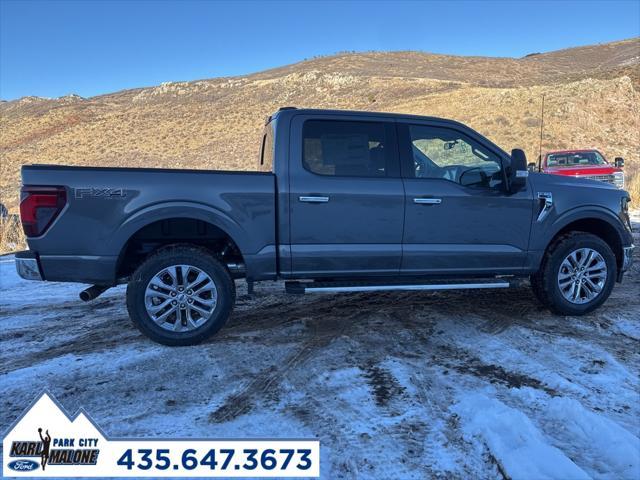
[[23, 465]]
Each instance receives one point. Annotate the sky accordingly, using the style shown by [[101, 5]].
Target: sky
[[54, 48]]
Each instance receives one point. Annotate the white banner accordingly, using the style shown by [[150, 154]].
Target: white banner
[[46, 442]]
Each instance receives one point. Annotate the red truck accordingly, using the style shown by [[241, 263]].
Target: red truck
[[589, 164]]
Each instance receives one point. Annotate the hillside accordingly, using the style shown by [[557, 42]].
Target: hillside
[[592, 100]]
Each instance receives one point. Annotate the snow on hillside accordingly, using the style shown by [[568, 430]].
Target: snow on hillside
[[482, 384]]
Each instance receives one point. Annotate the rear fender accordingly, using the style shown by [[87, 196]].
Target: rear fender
[[168, 210]]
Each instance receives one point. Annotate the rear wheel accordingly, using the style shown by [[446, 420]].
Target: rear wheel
[[577, 274], [180, 295]]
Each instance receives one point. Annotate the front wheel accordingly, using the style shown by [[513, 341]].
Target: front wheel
[[180, 295], [577, 274]]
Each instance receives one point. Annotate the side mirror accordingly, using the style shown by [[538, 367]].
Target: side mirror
[[532, 167], [619, 162], [518, 172]]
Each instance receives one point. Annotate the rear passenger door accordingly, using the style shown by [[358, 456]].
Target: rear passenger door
[[346, 196]]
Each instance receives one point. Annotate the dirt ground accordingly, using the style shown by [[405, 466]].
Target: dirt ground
[[395, 385]]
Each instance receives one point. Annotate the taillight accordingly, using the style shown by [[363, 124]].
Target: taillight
[[39, 207]]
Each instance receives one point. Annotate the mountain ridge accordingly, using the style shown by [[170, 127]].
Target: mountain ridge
[[632, 44], [591, 93]]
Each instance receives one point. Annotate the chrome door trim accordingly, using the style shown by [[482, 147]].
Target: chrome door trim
[[313, 199], [427, 201]]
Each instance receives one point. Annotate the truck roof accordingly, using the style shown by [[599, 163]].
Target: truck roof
[[320, 111], [576, 150], [291, 111]]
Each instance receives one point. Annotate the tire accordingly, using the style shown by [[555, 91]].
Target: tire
[[570, 300], [194, 314]]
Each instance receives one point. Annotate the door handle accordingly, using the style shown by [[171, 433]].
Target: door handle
[[313, 199], [427, 201]]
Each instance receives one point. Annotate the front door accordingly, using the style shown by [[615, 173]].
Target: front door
[[459, 217], [346, 197]]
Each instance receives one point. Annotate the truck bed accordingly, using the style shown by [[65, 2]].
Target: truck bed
[[107, 206]]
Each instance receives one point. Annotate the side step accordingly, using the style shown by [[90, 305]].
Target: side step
[[336, 287]]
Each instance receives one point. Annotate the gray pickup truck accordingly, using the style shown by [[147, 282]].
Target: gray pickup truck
[[341, 202]]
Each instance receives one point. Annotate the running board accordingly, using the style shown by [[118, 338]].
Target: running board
[[337, 287]]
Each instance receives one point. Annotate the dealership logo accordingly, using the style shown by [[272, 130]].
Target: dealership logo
[[46, 441], [66, 450]]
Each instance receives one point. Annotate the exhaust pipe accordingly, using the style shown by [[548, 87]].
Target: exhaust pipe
[[236, 268], [93, 292]]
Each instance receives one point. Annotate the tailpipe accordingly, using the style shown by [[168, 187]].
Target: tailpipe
[[93, 292], [236, 269]]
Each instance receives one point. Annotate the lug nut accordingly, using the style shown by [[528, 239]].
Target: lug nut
[[190, 300], [180, 289], [173, 294], [182, 305], [174, 303], [189, 292]]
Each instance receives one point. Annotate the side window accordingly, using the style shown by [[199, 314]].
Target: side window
[[448, 154], [340, 148]]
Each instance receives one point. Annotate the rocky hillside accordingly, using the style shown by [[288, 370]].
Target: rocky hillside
[[592, 98]]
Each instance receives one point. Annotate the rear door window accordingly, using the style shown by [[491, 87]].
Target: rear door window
[[346, 149]]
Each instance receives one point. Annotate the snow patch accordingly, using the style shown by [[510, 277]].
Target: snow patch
[[601, 446], [629, 328], [516, 444]]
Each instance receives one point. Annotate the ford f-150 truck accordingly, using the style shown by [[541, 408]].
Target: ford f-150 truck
[[341, 202], [589, 164]]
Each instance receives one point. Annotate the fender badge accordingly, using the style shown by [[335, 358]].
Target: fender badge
[[99, 192]]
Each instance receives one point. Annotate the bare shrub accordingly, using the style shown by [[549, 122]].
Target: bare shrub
[[633, 187], [11, 235]]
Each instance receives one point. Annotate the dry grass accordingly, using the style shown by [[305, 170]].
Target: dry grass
[[11, 235], [633, 187], [592, 100]]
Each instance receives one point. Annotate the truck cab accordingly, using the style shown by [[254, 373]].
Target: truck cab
[[589, 164]]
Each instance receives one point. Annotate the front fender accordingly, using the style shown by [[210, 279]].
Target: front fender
[[543, 233], [583, 213]]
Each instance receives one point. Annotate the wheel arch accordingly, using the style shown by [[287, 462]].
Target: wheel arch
[[175, 223], [599, 222]]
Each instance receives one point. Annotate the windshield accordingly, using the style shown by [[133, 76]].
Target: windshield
[[573, 159]]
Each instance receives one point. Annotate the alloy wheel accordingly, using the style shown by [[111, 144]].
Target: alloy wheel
[[582, 275], [180, 298]]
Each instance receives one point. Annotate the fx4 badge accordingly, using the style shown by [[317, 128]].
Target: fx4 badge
[[99, 192]]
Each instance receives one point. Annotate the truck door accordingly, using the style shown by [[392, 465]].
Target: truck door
[[459, 218], [346, 196]]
